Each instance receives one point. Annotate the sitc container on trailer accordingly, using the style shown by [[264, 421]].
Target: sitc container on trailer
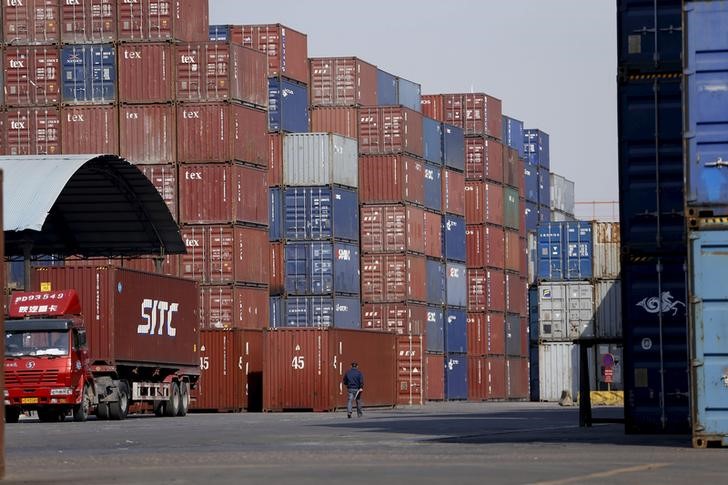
[[536, 146], [436, 284], [311, 159], [319, 213], [342, 81], [136, 122], [483, 159], [456, 377], [31, 75], [400, 318], [566, 311], [435, 330], [453, 233], [321, 268], [486, 378], [317, 311], [393, 278], [392, 228], [31, 22], [88, 22], [156, 20], [453, 147], [287, 106], [391, 178], [456, 335], [390, 129], [558, 365], [285, 48], [89, 73], [432, 140]]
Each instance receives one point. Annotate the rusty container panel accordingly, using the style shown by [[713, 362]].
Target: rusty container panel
[[433, 235], [495, 246], [114, 302], [434, 377], [483, 159], [238, 254], [193, 264], [146, 72], [515, 294], [474, 202], [433, 106], [400, 318], [339, 120], [494, 203], [342, 81], [88, 21], [391, 178], [390, 129], [285, 49], [275, 159], [233, 307], [392, 228], [147, 133], [277, 268], [222, 193], [33, 131], [90, 129], [393, 278], [164, 178], [486, 378], [222, 380], [486, 333], [485, 245], [453, 192], [163, 20], [476, 113], [221, 132], [410, 360], [517, 378], [496, 289], [486, 290], [29, 22], [32, 75], [514, 252], [511, 165]]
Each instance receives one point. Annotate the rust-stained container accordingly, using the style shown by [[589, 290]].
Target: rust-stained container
[[221, 132], [88, 21], [434, 377], [453, 192], [303, 369], [222, 193], [233, 307], [515, 294], [90, 129], [514, 251], [401, 318], [485, 245], [226, 254], [275, 159], [147, 133], [392, 228], [390, 129], [393, 278], [339, 120], [163, 20], [32, 75], [486, 378], [342, 81], [512, 169], [517, 378], [391, 178], [483, 203], [146, 72], [28, 22], [476, 113], [433, 106], [217, 71], [285, 48], [433, 235], [486, 333], [277, 268], [114, 302], [410, 370], [33, 131], [486, 290], [164, 178], [483, 159]]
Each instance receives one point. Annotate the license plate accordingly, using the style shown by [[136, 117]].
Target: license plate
[[29, 400]]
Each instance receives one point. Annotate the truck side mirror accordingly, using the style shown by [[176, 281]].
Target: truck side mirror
[[81, 339]]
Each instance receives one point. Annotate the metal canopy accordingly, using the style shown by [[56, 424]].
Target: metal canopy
[[85, 205]]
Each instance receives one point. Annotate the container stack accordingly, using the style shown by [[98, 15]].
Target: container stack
[[536, 170], [562, 198]]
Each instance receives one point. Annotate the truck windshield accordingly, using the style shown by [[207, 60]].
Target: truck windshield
[[36, 343]]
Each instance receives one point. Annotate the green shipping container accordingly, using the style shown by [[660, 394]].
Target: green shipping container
[[511, 213]]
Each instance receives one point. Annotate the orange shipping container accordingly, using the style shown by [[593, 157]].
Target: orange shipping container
[[390, 129], [483, 159], [453, 192], [88, 21], [146, 72], [486, 333], [33, 131], [514, 252], [147, 264], [517, 378], [485, 246], [31, 22], [343, 121], [393, 278], [391, 178], [163, 20], [433, 235]]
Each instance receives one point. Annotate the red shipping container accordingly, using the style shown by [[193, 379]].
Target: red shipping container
[[163, 20], [453, 192], [147, 264], [515, 294], [216, 71], [514, 251], [517, 378], [523, 267], [485, 245], [486, 333], [400, 318], [88, 21], [342, 81], [494, 203], [27, 22], [522, 223], [391, 178], [90, 129], [511, 165], [221, 132], [277, 269], [392, 228], [222, 193], [194, 262], [146, 72], [521, 178], [220, 387], [483, 203], [496, 288], [285, 48], [32, 75], [233, 307], [275, 159], [147, 133], [434, 377], [432, 106], [164, 178], [410, 370], [433, 235], [486, 290], [476, 113], [483, 159], [393, 278], [343, 121], [390, 129], [298, 371], [486, 378], [33, 131]]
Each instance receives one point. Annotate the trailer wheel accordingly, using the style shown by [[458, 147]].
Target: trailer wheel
[[12, 415], [119, 409], [171, 407], [102, 411], [159, 409], [184, 399], [80, 411]]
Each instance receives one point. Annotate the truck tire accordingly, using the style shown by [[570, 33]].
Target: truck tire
[[81, 410], [102, 411], [119, 409], [159, 408], [184, 399], [12, 415], [171, 407]]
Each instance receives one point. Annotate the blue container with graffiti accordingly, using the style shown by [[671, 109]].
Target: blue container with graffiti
[[453, 147], [316, 213], [321, 268], [89, 73], [453, 233], [287, 106], [435, 282], [456, 377], [435, 335], [386, 88], [432, 140], [456, 330], [433, 187]]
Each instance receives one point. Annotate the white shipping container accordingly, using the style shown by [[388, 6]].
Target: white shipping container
[[608, 308], [562, 194], [606, 250], [532, 256], [558, 370], [311, 159], [565, 311], [559, 216]]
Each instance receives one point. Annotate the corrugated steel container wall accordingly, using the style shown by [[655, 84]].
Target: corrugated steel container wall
[[578, 252], [221, 132], [314, 213], [90, 129], [88, 21], [514, 342], [32, 75], [456, 334], [496, 288], [410, 357], [33, 131], [392, 228], [475, 202], [558, 364], [436, 285], [517, 378], [435, 331], [89, 73], [486, 290], [321, 268], [304, 368], [222, 381], [511, 208], [287, 106], [408, 94], [434, 377], [146, 72], [342, 121], [318, 311], [453, 147], [391, 178], [390, 129], [533, 325], [342, 81], [483, 159], [606, 250], [432, 105], [453, 192], [453, 236], [233, 306], [513, 134], [386, 89], [514, 252], [163, 20], [275, 214], [544, 187], [649, 36], [486, 378], [536, 146], [277, 268], [286, 49], [476, 113], [533, 371], [456, 377], [164, 179], [170, 264], [147, 133], [608, 308], [457, 287], [111, 300], [515, 294], [400, 318], [195, 262], [31, 22], [320, 159], [511, 166], [222, 193], [530, 173], [393, 278], [275, 159], [562, 194], [550, 246], [497, 199], [566, 311], [433, 236], [485, 246], [433, 187], [432, 140]]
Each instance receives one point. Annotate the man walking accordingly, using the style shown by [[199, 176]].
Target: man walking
[[354, 382]]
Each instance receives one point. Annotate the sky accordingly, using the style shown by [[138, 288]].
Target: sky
[[553, 63]]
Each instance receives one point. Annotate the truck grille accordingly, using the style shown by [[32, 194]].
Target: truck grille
[[31, 377]]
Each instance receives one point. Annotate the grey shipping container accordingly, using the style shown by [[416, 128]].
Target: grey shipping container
[[562, 194], [559, 216], [608, 308], [532, 255], [320, 159], [558, 370], [566, 311], [606, 250]]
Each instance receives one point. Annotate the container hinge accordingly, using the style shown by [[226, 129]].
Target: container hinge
[[696, 300], [696, 363], [717, 164]]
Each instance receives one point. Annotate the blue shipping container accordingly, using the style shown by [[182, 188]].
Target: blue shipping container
[[707, 103], [536, 147], [436, 284], [513, 134], [533, 314], [456, 377], [550, 253], [275, 214], [453, 234], [315, 213], [433, 187], [544, 187], [432, 140], [456, 337], [531, 175], [409, 94], [386, 89], [275, 314], [321, 268], [321, 311], [565, 250], [219, 33], [532, 217], [638, 22], [287, 106], [89, 73], [533, 377], [544, 214], [435, 336], [513, 335], [457, 288], [453, 147]]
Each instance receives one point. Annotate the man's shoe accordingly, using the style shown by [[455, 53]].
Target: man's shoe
[[348, 415]]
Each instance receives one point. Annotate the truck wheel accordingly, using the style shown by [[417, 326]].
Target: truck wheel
[[12, 415], [184, 399], [80, 411], [159, 408], [171, 407], [102, 411], [119, 409]]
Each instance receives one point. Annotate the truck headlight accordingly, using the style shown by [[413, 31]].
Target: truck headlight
[[7, 394], [61, 391]]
